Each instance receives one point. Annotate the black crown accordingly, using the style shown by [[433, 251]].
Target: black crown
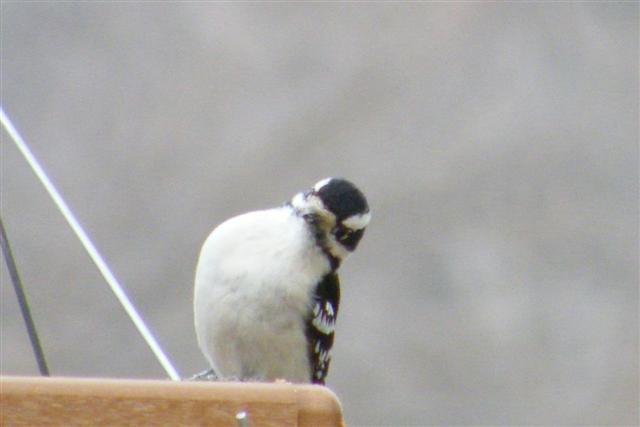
[[343, 198]]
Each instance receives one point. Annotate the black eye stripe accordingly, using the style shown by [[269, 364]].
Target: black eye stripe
[[348, 237], [341, 232]]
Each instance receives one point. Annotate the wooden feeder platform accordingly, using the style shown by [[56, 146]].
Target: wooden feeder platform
[[60, 401]]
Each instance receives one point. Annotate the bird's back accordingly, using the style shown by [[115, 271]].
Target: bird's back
[[258, 255]]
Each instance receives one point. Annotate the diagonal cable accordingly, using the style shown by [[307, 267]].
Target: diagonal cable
[[23, 302], [89, 247]]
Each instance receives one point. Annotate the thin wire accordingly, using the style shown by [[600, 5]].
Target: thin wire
[[89, 247], [23, 303]]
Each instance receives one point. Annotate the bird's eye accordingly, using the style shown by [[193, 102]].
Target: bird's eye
[[345, 235]]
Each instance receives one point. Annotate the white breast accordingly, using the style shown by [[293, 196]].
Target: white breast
[[254, 281]]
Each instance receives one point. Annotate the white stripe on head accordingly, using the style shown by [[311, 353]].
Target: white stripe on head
[[298, 201], [358, 221], [321, 184], [309, 203]]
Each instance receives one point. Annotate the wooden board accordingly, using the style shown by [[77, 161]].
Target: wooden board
[[54, 401]]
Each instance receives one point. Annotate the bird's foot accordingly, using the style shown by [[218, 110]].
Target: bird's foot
[[208, 375]]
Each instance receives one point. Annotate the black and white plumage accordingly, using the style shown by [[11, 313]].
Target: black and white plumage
[[267, 291]]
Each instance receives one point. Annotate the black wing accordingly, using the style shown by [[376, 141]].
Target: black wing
[[320, 326]]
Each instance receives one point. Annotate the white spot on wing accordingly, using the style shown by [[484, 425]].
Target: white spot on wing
[[324, 357], [329, 309], [324, 326], [323, 318]]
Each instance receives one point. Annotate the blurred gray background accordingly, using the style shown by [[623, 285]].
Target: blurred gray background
[[496, 142]]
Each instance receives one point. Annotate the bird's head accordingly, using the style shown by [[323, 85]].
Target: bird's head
[[337, 212]]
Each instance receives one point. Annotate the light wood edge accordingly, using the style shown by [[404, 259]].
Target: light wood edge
[[314, 405]]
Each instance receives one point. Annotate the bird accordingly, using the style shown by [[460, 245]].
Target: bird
[[267, 292]]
